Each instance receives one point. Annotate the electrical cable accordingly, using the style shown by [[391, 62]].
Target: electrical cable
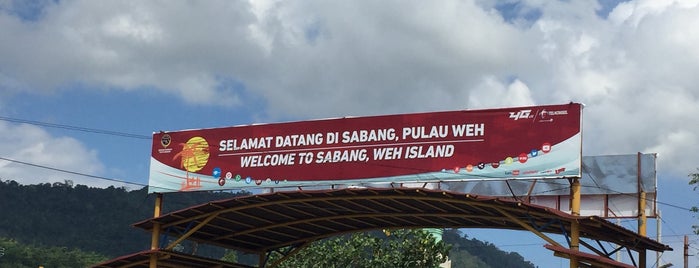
[[71, 172], [137, 136], [74, 128], [69, 127]]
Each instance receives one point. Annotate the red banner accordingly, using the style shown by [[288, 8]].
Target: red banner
[[522, 142]]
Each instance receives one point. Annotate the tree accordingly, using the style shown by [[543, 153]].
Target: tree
[[20, 255], [694, 181], [399, 248], [467, 252]]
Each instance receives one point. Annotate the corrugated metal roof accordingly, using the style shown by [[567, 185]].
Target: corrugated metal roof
[[166, 259], [260, 223]]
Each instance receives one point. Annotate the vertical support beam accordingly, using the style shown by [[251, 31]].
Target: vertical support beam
[[642, 218], [154, 244], [574, 225], [642, 258], [262, 259], [658, 233], [686, 252]]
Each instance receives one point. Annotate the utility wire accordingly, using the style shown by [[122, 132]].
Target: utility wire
[[69, 127], [137, 136], [71, 172], [75, 128]]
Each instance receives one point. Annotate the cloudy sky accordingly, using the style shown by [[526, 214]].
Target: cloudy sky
[[83, 84]]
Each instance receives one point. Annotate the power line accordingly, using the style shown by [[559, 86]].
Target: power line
[[137, 136], [76, 128], [71, 172]]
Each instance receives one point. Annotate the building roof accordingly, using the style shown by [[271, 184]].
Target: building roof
[[166, 259], [589, 259], [265, 222]]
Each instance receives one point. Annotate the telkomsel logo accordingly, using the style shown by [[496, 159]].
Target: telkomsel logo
[[522, 114]]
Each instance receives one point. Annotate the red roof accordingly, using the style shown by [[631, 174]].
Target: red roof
[[591, 259]]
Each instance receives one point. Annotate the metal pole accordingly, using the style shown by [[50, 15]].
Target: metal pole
[[642, 219], [659, 230], [154, 244], [575, 225], [686, 252]]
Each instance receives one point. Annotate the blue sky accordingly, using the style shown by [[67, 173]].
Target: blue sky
[[139, 67]]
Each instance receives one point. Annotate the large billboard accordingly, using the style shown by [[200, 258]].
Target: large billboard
[[520, 142], [610, 187]]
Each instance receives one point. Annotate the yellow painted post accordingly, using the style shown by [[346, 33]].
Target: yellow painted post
[[642, 218], [575, 225], [154, 244]]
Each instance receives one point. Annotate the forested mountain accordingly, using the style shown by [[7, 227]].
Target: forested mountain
[[89, 219], [98, 221]]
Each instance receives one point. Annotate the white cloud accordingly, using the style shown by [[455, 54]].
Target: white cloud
[[677, 145], [178, 47], [491, 94], [635, 70], [31, 144], [635, 75]]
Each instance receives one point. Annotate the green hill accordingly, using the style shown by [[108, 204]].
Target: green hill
[[98, 221]]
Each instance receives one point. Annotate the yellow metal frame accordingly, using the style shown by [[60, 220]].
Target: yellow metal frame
[[446, 207]]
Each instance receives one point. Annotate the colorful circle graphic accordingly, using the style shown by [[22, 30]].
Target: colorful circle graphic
[[546, 147], [194, 154], [469, 167], [522, 158]]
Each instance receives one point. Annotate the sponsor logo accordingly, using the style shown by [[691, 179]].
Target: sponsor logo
[[560, 170], [521, 114], [509, 160], [216, 173], [165, 140], [547, 116], [546, 147], [522, 158]]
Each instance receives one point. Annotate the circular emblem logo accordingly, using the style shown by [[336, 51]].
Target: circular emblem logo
[[194, 154], [165, 140]]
